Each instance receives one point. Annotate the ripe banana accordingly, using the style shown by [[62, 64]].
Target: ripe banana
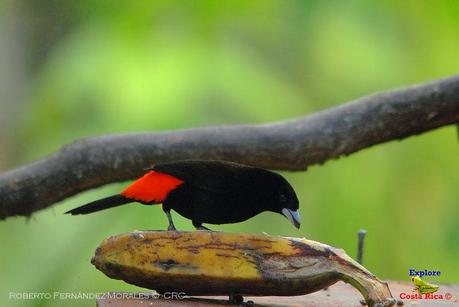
[[218, 263]]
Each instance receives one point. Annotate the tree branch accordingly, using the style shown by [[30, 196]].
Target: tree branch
[[290, 145]]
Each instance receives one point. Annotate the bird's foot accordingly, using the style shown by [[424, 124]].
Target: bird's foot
[[203, 228], [171, 228], [236, 299]]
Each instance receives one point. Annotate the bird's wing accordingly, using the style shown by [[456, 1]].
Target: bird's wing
[[220, 177]]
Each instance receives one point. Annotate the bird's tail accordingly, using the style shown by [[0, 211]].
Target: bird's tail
[[101, 204]]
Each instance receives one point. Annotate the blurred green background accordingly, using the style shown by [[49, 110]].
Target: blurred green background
[[73, 69]]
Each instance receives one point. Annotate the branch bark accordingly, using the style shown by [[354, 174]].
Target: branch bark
[[290, 145]]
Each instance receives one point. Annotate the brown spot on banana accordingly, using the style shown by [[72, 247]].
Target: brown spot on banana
[[218, 263]]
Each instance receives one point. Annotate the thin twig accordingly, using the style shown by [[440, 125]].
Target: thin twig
[[361, 235]]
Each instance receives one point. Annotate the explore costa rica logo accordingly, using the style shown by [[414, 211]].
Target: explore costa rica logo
[[423, 289], [422, 286]]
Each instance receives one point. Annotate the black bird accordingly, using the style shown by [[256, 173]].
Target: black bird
[[214, 192]]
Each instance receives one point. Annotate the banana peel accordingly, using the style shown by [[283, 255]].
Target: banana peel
[[217, 263]]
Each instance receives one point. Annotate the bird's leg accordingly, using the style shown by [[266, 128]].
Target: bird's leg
[[199, 226], [171, 223]]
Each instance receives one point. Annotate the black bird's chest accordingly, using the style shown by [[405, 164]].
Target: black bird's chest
[[214, 206]]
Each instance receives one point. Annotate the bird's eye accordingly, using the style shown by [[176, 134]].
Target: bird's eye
[[283, 198]]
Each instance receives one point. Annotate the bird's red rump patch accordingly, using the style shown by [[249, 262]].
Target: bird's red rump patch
[[152, 187]]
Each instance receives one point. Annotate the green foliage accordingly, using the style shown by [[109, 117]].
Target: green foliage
[[157, 65]]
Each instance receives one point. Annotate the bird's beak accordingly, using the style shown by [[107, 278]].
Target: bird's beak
[[292, 216]]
